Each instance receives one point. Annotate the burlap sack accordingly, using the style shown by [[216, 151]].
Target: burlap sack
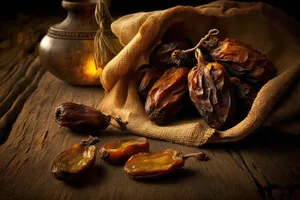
[[266, 28]]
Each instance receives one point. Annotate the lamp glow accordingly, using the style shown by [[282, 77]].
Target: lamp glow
[[90, 69]]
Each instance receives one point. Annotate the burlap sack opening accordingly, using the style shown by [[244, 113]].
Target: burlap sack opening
[[266, 28]]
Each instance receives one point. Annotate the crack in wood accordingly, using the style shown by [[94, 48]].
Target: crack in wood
[[275, 163], [45, 135], [260, 188], [241, 165], [9, 163], [23, 131], [267, 192], [265, 178]]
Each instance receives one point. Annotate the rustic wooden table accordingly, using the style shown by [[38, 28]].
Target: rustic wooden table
[[262, 166]]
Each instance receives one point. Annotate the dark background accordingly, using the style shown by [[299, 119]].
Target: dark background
[[10, 8]]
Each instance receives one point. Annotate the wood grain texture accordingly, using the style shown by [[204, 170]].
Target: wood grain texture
[[273, 161], [36, 138], [17, 98], [20, 71], [229, 174], [262, 166]]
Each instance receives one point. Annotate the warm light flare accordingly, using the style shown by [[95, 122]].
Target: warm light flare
[[91, 70]]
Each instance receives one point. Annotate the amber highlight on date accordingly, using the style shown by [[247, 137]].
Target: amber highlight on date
[[157, 164], [165, 98], [73, 162], [81, 118], [119, 151]]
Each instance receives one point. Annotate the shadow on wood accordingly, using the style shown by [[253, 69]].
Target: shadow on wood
[[94, 176]]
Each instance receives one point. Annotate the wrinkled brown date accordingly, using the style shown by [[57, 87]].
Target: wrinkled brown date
[[119, 151], [245, 96], [73, 162], [161, 54], [241, 60], [82, 118], [150, 77], [157, 164], [211, 92], [164, 98]]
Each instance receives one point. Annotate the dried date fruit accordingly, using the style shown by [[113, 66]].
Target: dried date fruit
[[161, 54], [73, 162], [211, 92], [148, 80], [241, 59], [81, 118], [119, 151], [245, 95], [164, 98], [157, 164]]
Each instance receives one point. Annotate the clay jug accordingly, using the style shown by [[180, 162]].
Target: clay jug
[[67, 50]]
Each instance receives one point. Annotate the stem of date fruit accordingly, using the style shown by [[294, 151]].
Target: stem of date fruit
[[210, 33], [179, 54], [90, 141], [121, 124], [199, 155], [198, 53]]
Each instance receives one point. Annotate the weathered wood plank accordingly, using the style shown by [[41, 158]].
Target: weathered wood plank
[[13, 103], [36, 138], [273, 161], [8, 82], [19, 74]]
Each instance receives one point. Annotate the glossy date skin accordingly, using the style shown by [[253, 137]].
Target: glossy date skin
[[222, 85], [241, 60], [119, 151], [80, 118], [72, 163], [165, 98], [153, 164], [157, 164]]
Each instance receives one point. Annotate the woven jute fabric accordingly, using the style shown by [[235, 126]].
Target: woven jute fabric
[[265, 28]]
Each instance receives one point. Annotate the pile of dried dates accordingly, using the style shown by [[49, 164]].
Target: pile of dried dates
[[219, 79], [72, 163]]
